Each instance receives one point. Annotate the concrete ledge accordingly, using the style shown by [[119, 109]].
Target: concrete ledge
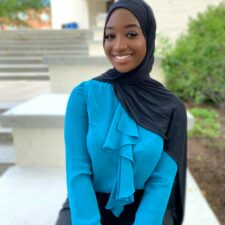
[[38, 76], [46, 110], [66, 72], [31, 195], [191, 121], [20, 60], [5, 136], [41, 52], [38, 130], [34, 195], [36, 34], [197, 209], [7, 154], [76, 61], [4, 106]]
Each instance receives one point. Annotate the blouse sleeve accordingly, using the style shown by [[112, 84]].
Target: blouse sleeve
[[82, 198], [157, 192]]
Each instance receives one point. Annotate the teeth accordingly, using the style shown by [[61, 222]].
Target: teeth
[[122, 57]]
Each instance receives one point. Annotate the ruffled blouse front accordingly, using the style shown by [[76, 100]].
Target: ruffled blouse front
[[107, 151], [121, 137]]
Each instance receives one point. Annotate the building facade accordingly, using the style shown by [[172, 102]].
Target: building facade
[[172, 15]]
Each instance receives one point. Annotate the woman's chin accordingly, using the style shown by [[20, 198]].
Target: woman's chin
[[123, 69]]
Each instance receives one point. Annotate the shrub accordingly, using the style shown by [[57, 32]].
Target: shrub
[[195, 66]]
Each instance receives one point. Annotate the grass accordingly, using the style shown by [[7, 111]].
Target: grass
[[207, 123]]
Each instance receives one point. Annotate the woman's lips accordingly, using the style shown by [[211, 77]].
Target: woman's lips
[[121, 59]]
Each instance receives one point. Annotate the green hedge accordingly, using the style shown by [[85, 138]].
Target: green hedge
[[195, 66]]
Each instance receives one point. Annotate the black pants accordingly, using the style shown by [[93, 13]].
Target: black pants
[[127, 217]]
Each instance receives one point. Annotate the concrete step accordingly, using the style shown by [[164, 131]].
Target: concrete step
[[21, 60], [4, 106], [5, 137], [4, 167], [43, 39], [39, 76], [73, 42], [41, 34], [44, 42], [49, 40], [42, 47], [48, 33], [44, 52], [7, 153], [37, 37], [21, 31], [23, 68]]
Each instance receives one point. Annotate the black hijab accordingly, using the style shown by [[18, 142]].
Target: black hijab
[[151, 105]]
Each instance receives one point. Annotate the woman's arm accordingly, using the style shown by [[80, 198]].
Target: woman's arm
[[157, 192], [82, 198]]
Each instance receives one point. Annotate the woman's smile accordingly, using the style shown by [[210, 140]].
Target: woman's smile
[[122, 59]]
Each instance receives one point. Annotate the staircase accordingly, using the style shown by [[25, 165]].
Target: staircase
[[41, 42], [23, 75], [21, 52]]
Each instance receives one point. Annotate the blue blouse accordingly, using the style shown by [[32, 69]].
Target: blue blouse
[[107, 151]]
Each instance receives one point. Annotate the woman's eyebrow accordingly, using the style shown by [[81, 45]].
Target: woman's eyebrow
[[132, 25], [126, 26]]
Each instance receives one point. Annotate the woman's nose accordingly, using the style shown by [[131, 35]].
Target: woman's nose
[[120, 44]]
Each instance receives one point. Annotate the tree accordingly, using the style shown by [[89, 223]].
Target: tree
[[10, 8]]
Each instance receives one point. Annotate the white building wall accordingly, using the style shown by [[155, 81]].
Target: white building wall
[[69, 11], [172, 15]]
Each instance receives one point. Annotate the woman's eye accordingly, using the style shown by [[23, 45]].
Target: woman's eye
[[109, 36], [132, 35]]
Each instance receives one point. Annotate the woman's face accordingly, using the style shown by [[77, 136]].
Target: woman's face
[[124, 42]]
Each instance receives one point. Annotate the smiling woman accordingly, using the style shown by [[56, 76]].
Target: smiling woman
[[124, 41], [125, 134]]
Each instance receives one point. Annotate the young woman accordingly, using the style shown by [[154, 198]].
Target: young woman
[[125, 134]]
